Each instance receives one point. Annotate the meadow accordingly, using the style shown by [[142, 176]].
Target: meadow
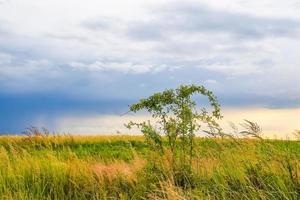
[[45, 166]]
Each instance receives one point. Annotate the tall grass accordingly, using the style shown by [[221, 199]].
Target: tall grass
[[122, 167]]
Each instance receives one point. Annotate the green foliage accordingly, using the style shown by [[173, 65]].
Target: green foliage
[[178, 118]]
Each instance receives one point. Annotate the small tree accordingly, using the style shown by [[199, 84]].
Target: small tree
[[178, 118]]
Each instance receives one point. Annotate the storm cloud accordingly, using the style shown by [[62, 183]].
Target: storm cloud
[[81, 55], [193, 18]]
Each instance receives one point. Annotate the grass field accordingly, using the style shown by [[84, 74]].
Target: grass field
[[123, 167]]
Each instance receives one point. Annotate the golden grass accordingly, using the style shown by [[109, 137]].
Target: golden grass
[[32, 171], [119, 168], [74, 138]]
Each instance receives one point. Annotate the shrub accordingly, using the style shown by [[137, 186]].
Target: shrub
[[178, 118]]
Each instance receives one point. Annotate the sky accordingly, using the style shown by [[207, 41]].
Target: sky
[[70, 63]]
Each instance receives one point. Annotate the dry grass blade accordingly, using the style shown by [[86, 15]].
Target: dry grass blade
[[297, 134], [252, 129]]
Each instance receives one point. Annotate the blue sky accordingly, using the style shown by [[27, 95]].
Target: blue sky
[[89, 58]]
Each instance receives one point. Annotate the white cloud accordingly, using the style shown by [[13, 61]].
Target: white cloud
[[125, 67], [211, 81], [99, 31], [255, 43]]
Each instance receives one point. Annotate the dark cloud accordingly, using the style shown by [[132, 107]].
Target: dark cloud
[[187, 18], [20, 111], [245, 99], [87, 93]]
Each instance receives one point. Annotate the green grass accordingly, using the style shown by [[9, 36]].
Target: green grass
[[122, 167]]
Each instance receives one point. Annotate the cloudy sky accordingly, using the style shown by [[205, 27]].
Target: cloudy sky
[[67, 59]]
